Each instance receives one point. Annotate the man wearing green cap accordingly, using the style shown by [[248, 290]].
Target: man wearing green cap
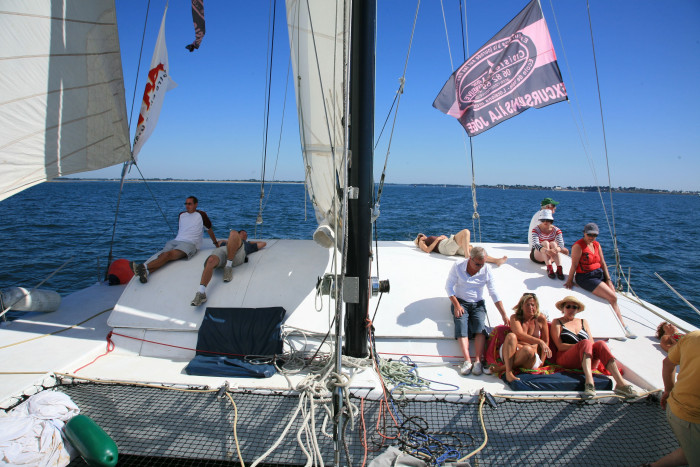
[[547, 203]]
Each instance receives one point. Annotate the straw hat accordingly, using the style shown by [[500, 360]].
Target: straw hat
[[570, 299]]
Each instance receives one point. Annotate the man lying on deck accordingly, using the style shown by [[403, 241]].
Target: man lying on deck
[[232, 252]]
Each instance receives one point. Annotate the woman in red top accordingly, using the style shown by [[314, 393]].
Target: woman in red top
[[591, 272]]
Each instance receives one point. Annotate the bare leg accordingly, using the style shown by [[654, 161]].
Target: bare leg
[[541, 255], [604, 291], [209, 266], [479, 341], [509, 348], [671, 459], [496, 261], [552, 252], [464, 346], [586, 366], [462, 238], [233, 244], [165, 258], [615, 372]]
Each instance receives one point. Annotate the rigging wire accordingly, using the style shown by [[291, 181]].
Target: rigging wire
[[397, 99], [613, 231], [266, 117], [476, 219], [128, 164], [585, 143]]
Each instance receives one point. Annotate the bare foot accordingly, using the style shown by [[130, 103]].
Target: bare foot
[[510, 377], [500, 261]]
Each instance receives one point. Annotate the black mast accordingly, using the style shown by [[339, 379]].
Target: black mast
[[361, 171]]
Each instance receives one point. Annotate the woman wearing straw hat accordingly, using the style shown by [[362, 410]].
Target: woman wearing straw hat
[[576, 347]]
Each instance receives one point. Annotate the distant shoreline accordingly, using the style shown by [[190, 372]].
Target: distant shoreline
[[583, 189]]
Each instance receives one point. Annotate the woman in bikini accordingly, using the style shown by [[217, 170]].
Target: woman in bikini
[[591, 272], [577, 350], [457, 244], [527, 345]]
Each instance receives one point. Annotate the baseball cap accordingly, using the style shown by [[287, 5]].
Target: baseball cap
[[591, 228], [547, 201]]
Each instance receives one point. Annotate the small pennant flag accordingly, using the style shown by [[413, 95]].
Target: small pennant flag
[[158, 84]]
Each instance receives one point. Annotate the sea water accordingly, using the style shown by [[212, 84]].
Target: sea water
[[68, 225]]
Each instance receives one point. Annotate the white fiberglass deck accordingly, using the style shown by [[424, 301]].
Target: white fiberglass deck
[[284, 274], [413, 319]]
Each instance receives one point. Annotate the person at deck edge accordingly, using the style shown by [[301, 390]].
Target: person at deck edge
[[185, 244], [681, 400], [465, 289], [591, 272]]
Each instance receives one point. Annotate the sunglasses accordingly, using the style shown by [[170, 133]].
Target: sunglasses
[[531, 294], [571, 307], [478, 265], [592, 235], [547, 221]]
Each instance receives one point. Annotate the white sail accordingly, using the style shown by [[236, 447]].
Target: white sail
[[319, 46], [62, 103]]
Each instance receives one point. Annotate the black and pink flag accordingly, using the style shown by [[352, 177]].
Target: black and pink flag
[[515, 70], [198, 20]]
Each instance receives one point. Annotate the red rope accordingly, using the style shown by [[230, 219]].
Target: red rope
[[177, 346], [110, 347]]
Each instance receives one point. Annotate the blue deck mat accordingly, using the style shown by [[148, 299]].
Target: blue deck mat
[[228, 337], [556, 382]]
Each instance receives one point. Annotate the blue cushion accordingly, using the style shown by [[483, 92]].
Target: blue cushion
[[227, 335], [556, 382]]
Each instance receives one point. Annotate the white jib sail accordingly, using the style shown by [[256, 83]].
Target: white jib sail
[[157, 84], [62, 103], [318, 38]]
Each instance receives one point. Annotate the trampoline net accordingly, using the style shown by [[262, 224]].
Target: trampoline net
[[154, 426]]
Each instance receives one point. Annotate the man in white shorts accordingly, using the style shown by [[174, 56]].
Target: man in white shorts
[[232, 252], [185, 244]]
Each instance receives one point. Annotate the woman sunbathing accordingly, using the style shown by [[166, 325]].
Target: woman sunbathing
[[527, 345], [456, 244], [668, 334], [577, 350]]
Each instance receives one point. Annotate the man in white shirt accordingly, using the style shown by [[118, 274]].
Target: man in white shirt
[[188, 240], [465, 288]]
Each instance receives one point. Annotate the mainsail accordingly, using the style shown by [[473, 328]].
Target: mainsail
[[62, 102], [319, 41]]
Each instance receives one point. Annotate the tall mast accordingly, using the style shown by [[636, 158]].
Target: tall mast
[[361, 171]]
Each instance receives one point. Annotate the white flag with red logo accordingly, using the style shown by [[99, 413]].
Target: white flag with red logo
[[158, 84]]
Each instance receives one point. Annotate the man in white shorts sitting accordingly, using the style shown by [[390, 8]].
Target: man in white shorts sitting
[[185, 244], [232, 252]]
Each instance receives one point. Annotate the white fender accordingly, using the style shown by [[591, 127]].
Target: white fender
[[20, 299]]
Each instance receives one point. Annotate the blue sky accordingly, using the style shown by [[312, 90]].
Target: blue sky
[[648, 59]]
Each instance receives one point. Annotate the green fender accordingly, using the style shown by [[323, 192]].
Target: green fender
[[93, 444]]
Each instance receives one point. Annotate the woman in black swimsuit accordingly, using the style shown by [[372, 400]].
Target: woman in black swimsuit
[[577, 350]]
